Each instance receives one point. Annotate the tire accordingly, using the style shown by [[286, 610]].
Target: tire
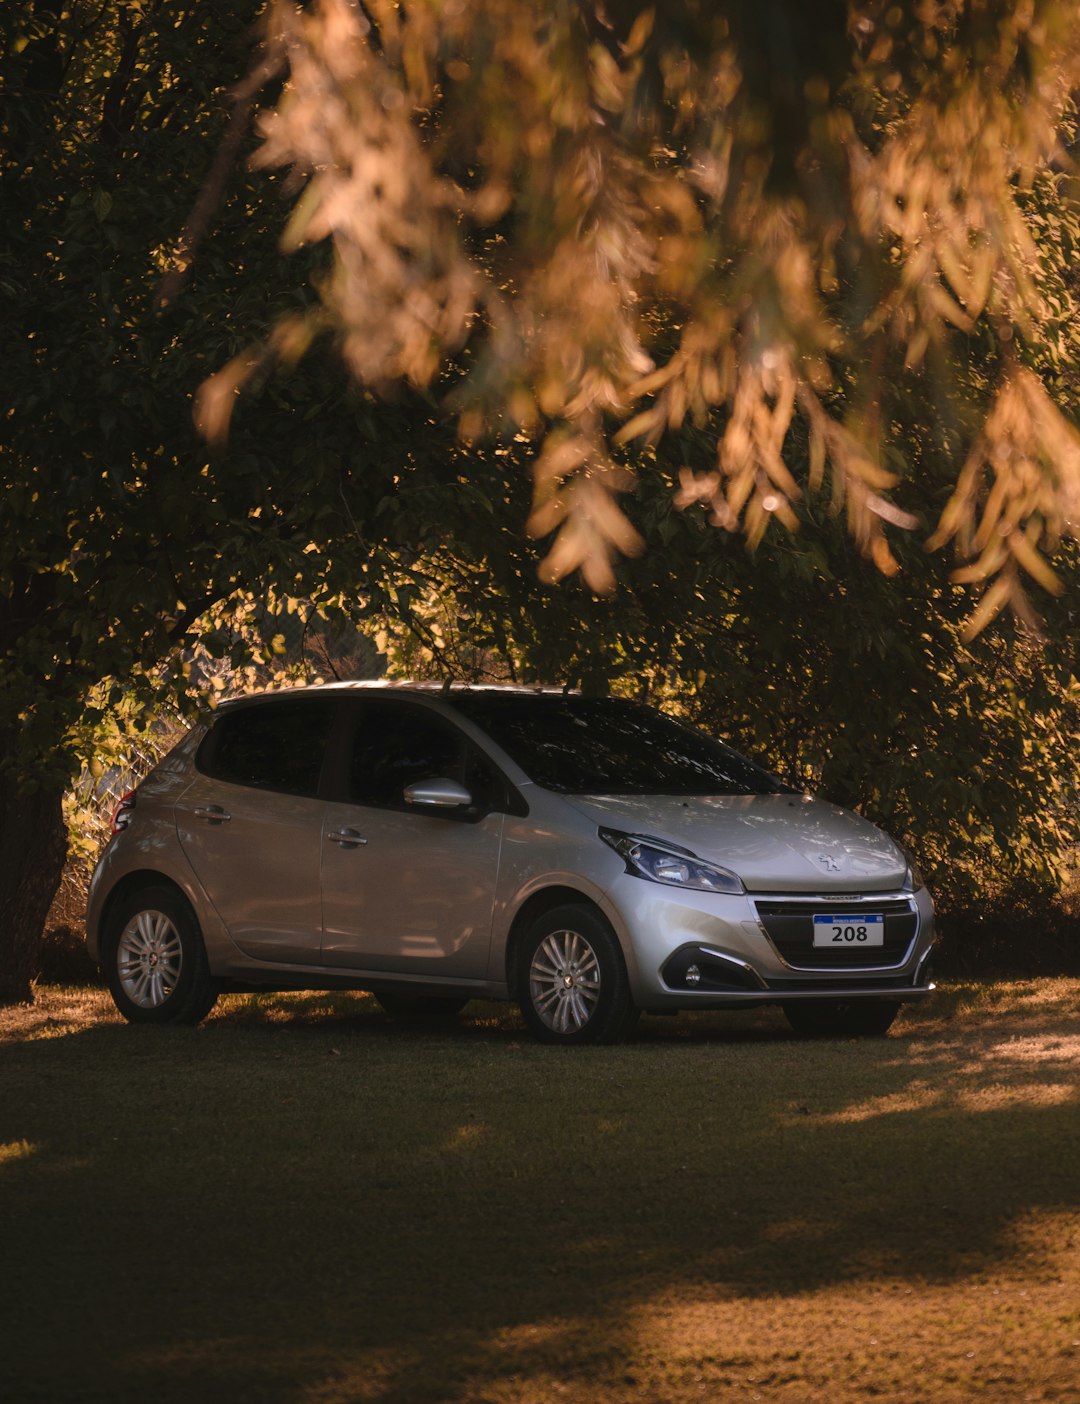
[[571, 979], [842, 1018], [155, 960], [420, 1007]]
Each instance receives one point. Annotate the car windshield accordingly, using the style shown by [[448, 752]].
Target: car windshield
[[606, 745]]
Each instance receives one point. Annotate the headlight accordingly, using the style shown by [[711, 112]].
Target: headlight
[[667, 863]]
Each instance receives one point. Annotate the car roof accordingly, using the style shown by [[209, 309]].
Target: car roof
[[425, 689]]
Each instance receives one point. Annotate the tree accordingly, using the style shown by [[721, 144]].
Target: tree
[[119, 531], [751, 215]]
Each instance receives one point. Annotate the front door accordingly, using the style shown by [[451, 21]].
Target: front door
[[409, 889]]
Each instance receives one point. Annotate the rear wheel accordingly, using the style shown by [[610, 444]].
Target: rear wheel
[[571, 980], [420, 1007], [155, 960], [842, 1018]]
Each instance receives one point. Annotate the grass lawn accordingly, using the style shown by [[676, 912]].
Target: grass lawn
[[303, 1201]]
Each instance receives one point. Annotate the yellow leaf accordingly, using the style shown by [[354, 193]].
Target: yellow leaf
[[1027, 556], [991, 605]]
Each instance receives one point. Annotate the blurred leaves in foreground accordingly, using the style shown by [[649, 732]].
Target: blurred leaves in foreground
[[756, 217]]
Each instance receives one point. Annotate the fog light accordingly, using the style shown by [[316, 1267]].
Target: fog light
[[693, 975]]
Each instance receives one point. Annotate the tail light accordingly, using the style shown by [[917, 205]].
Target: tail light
[[124, 810]]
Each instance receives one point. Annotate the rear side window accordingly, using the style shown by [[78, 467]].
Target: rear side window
[[270, 746]]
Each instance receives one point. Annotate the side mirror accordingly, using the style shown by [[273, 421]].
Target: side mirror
[[438, 794]]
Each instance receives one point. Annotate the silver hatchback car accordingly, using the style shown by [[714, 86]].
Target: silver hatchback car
[[588, 857]]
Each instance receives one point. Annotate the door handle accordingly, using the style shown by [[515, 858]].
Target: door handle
[[348, 838], [212, 813]]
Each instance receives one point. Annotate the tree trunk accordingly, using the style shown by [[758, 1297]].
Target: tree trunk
[[33, 845]]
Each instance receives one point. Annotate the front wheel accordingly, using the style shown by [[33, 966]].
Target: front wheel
[[155, 960], [572, 982], [842, 1018]]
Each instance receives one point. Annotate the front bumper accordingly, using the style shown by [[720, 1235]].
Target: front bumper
[[694, 950]]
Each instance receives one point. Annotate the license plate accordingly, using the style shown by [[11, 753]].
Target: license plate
[[842, 929]]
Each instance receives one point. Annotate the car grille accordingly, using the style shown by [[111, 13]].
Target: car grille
[[790, 927]]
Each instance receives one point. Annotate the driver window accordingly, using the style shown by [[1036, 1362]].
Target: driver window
[[393, 746]]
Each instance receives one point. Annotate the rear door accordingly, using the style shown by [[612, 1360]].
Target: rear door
[[251, 824], [405, 888]]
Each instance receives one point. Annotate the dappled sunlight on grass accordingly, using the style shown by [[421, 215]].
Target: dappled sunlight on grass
[[999, 1098], [1022, 1001], [57, 1010], [15, 1150], [378, 1211], [1034, 1005], [292, 1008], [921, 1097], [1008, 1336], [982, 1069], [1049, 1048], [464, 1138]]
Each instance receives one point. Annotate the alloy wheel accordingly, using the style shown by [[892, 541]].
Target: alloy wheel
[[564, 981], [149, 958]]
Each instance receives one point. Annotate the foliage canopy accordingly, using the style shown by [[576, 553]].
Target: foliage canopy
[[123, 536], [754, 216]]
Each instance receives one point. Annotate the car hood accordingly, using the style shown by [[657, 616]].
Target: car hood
[[775, 843]]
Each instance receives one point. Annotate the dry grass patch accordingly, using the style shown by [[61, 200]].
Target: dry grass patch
[[302, 1201]]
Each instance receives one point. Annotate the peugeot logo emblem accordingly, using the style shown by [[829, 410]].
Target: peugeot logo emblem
[[828, 862]]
